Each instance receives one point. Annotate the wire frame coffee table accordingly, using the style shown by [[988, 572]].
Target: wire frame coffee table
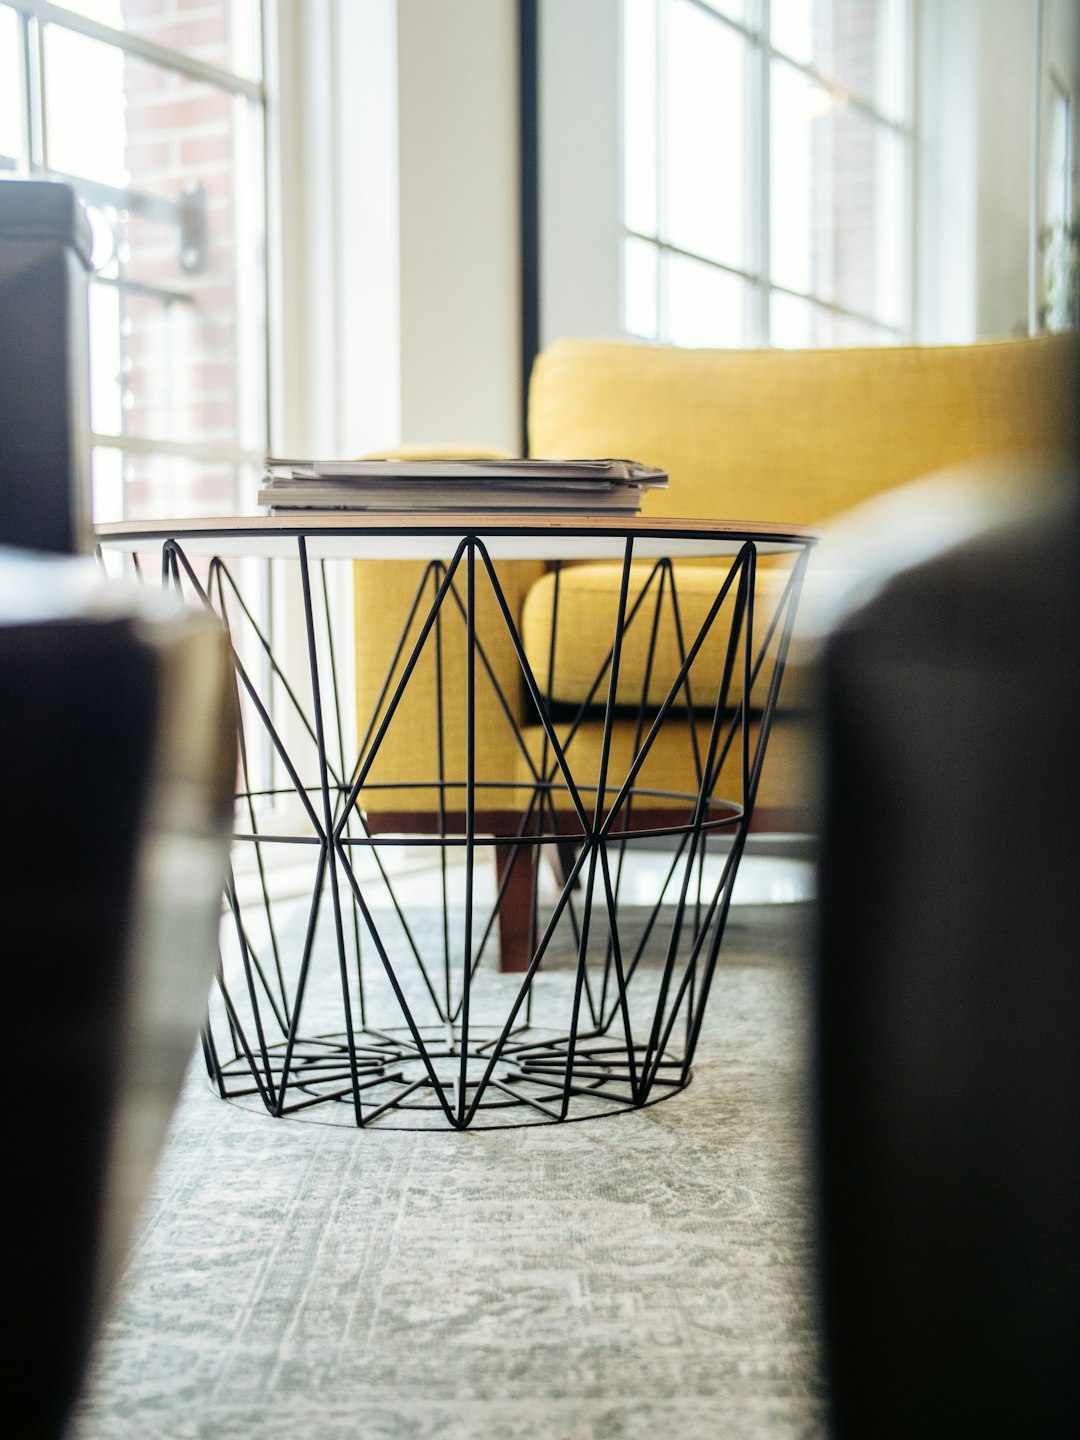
[[358, 992]]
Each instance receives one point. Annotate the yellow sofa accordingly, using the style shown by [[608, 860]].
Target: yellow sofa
[[760, 435]]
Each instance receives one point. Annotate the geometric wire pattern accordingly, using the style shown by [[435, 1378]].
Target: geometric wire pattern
[[361, 1007]]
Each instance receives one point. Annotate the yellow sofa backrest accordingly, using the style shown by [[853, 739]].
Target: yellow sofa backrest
[[798, 435]]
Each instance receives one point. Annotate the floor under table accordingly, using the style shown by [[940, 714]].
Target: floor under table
[[621, 1278]]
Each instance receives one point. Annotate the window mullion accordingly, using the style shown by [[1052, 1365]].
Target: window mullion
[[761, 125], [33, 93], [210, 450], [881, 260], [669, 247], [912, 164], [662, 302], [193, 346], [42, 12]]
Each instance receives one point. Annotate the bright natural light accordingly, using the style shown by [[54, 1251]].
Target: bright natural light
[[776, 162], [705, 155], [639, 115], [107, 12], [223, 32], [706, 306], [796, 131], [89, 140], [641, 278], [10, 90], [791, 25], [168, 160]]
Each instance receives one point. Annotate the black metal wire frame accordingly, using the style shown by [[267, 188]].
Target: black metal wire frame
[[385, 1012]]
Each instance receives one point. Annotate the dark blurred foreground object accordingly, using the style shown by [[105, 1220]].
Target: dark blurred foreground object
[[44, 385], [117, 735], [948, 988]]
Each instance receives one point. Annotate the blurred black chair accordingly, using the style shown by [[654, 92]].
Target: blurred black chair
[[947, 1006], [118, 743], [117, 732], [44, 383]]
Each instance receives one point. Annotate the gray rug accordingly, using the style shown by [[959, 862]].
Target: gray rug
[[641, 1275]]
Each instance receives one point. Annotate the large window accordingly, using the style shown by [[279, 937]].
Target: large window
[[767, 171], [1061, 225], [154, 110]]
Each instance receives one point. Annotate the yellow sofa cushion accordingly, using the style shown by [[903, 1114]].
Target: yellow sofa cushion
[[404, 776], [789, 436], [668, 779], [582, 649], [798, 435]]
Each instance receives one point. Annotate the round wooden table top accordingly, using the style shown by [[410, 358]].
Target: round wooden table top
[[392, 535]]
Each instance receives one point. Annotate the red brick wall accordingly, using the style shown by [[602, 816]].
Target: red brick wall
[[181, 359]]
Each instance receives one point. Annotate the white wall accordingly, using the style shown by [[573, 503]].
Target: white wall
[[580, 161], [334, 230], [976, 116], [1005, 50], [459, 221], [395, 239]]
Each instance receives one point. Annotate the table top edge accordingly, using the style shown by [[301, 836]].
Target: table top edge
[[488, 523]]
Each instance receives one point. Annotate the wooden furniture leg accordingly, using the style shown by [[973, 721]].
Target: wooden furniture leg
[[516, 911]]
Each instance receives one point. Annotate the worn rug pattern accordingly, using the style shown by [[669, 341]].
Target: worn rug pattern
[[638, 1276]]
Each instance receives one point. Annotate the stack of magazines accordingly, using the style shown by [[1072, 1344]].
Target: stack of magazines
[[550, 487]]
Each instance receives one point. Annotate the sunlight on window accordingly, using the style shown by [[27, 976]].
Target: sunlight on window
[[168, 158], [107, 484], [812, 111], [1058, 171], [223, 32], [706, 306], [105, 12], [641, 279], [836, 200], [88, 140], [705, 155], [860, 44], [892, 59], [796, 136], [11, 126], [106, 370], [175, 329], [1060, 241], [639, 115], [736, 9], [792, 28], [792, 322], [797, 324], [890, 247]]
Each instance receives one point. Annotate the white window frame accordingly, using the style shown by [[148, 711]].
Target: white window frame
[[33, 16], [580, 163], [761, 53]]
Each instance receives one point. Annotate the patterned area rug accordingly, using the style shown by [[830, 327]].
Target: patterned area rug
[[640, 1275]]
